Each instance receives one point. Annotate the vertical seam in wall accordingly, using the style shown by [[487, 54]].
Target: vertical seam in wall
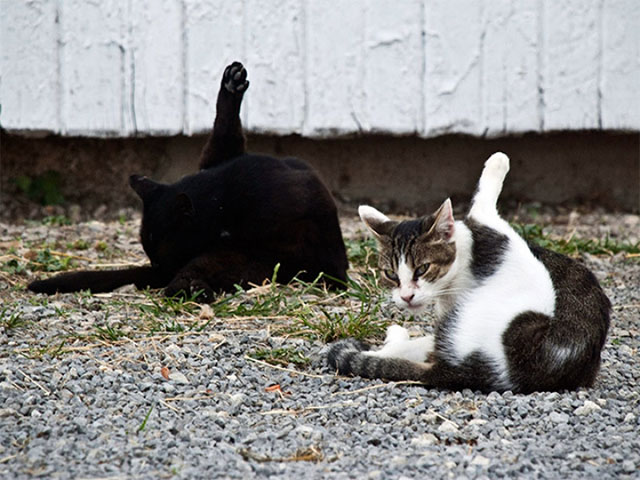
[[305, 68], [132, 71], [540, 78], [246, 105], [301, 55], [423, 70], [184, 66], [601, 54], [482, 123], [122, 29], [359, 108], [59, 73]]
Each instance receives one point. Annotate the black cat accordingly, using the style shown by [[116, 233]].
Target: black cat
[[231, 223]]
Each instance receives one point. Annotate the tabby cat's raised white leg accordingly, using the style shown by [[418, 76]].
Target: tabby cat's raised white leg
[[484, 205], [399, 345]]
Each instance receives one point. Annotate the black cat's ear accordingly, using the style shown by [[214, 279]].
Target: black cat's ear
[[184, 205], [143, 186], [443, 223], [379, 224]]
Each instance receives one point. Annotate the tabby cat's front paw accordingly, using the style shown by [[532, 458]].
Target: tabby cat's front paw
[[194, 289], [234, 79], [340, 353]]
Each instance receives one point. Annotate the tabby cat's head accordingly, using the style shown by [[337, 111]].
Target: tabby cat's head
[[414, 255]]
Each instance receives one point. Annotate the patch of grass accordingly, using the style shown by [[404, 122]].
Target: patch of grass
[[53, 351], [56, 221], [161, 314], [11, 320], [281, 356], [79, 244], [44, 188], [41, 258], [101, 246], [362, 252], [46, 261], [109, 333], [574, 245], [163, 307], [13, 266], [143, 425], [361, 324]]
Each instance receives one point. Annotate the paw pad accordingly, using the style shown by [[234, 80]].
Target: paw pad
[[234, 78]]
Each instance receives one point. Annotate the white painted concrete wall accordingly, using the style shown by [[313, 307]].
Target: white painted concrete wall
[[321, 67]]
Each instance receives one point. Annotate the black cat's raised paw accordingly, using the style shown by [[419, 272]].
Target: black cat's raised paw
[[341, 352], [234, 79]]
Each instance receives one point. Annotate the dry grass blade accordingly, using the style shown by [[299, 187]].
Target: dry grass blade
[[309, 454], [290, 370], [375, 387], [45, 390], [302, 411]]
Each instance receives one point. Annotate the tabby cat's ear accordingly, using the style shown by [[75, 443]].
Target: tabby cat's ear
[[376, 221], [142, 185], [444, 224]]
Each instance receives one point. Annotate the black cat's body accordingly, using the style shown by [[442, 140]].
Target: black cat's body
[[231, 223]]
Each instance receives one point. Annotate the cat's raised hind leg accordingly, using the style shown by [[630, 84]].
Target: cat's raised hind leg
[[227, 139], [485, 200]]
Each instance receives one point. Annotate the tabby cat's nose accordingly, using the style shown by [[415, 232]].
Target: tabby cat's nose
[[407, 298]]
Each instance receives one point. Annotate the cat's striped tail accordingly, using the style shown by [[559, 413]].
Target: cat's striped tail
[[349, 357]]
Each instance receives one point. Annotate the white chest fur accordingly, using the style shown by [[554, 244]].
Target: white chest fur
[[520, 284]]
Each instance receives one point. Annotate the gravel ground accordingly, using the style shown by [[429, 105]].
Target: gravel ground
[[191, 404]]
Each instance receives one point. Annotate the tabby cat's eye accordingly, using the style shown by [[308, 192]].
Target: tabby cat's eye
[[391, 275], [421, 270]]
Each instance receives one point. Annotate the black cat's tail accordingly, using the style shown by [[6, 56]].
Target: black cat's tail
[[98, 281]]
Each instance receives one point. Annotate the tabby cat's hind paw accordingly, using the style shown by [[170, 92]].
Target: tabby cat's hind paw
[[496, 167], [234, 79], [341, 352]]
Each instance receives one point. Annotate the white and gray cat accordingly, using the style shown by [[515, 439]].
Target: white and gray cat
[[511, 316]]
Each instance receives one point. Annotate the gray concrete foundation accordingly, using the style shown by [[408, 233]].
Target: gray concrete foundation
[[403, 174]]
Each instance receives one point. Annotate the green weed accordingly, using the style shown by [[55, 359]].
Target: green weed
[[56, 221], [281, 356], [362, 252], [49, 262], [53, 351], [44, 188], [13, 266], [11, 320], [143, 425], [109, 333], [362, 323], [574, 245], [79, 244]]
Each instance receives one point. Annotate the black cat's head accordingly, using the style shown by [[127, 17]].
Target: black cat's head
[[168, 221]]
